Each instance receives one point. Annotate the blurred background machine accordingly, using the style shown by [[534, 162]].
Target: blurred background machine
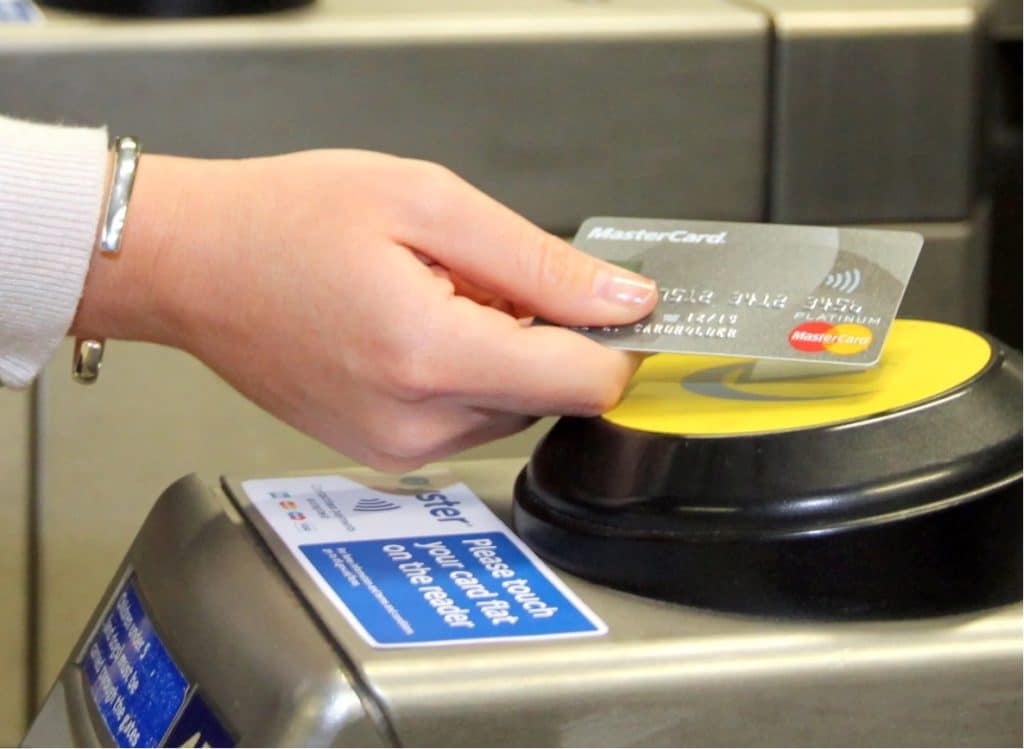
[[795, 111]]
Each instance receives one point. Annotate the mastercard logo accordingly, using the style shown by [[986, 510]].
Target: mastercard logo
[[845, 339]]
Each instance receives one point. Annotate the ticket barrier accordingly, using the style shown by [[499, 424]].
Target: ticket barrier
[[831, 560]]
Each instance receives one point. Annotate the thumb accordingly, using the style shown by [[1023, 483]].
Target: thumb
[[494, 248]]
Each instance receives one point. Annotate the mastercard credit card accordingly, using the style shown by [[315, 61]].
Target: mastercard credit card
[[803, 294]]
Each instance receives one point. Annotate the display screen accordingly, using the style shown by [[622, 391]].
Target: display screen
[[137, 688]]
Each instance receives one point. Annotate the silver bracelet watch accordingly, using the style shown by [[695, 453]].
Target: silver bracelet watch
[[88, 355]]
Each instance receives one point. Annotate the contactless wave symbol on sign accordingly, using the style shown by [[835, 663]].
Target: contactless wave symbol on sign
[[375, 504], [847, 281]]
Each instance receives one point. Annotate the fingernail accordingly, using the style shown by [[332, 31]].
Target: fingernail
[[624, 289]]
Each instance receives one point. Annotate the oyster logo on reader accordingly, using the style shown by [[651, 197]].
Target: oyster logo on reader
[[844, 339], [375, 504], [442, 508]]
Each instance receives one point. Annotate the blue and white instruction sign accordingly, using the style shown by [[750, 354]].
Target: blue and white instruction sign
[[140, 693], [135, 684], [426, 566]]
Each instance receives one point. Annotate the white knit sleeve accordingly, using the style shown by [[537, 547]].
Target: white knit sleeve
[[51, 192]]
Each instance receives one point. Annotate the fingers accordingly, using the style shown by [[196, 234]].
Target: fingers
[[493, 247], [498, 425], [492, 361], [559, 379], [413, 435], [486, 378]]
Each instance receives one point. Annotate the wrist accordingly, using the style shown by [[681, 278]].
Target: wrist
[[133, 295]]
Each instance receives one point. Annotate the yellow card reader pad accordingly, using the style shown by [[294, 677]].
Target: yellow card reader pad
[[723, 396]]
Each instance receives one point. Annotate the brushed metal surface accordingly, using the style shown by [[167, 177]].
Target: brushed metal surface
[[232, 624], [561, 109], [242, 632], [876, 108], [52, 726]]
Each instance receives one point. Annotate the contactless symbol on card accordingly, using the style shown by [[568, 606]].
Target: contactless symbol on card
[[767, 291]]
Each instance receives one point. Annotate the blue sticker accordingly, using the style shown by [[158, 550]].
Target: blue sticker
[[436, 589], [19, 11], [421, 568], [199, 726], [135, 684]]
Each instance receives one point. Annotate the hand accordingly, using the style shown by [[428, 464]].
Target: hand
[[373, 302]]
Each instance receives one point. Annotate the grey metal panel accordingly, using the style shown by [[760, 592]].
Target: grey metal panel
[[14, 502], [667, 675], [155, 415], [242, 633], [65, 717], [875, 110], [950, 282], [562, 110], [51, 727]]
